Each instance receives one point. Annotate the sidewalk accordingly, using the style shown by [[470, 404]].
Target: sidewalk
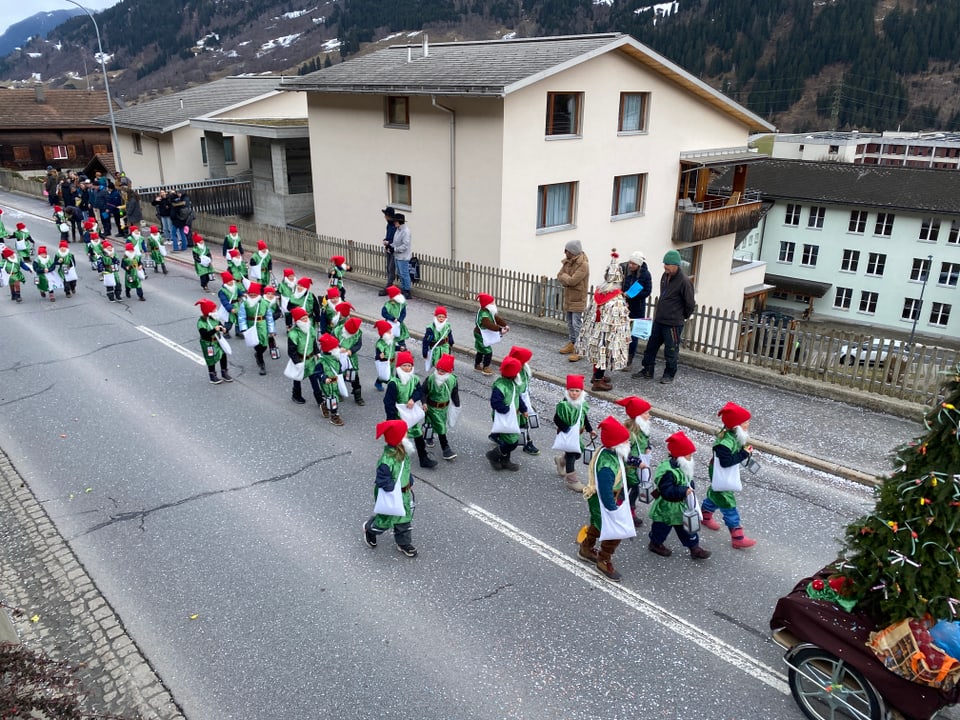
[[834, 436]]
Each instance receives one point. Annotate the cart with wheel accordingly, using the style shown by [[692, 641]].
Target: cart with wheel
[[834, 675]]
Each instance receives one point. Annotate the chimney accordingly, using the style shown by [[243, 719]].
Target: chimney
[[41, 95], [426, 45], [409, 54]]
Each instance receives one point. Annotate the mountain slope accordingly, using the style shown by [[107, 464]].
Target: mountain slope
[[37, 25]]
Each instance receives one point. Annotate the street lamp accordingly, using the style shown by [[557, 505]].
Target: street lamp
[[106, 85], [916, 315]]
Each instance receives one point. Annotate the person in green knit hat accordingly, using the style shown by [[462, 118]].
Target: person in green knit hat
[[571, 419], [731, 448], [673, 482], [351, 341], [507, 405], [393, 468], [210, 329], [638, 462], [605, 494], [675, 305], [441, 392], [404, 389], [202, 261]]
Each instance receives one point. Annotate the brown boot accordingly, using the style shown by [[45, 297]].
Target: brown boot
[[588, 550], [601, 385], [573, 357], [573, 483], [567, 349], [698, 553], [325, 410], [604, 564]]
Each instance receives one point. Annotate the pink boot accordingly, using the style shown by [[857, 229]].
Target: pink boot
[[739, 540], [708, 522]]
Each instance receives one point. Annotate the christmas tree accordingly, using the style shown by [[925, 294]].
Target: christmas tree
[[903, 559]]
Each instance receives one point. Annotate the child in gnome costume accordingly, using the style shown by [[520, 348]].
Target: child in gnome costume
[[231, 241], [384, 353], [335, 276], [571, 420], [237, 267], [329, 369], [404, 389], [202, 261], [673, 481], [13, 266], [393, 468], [523, 384], [329, 317], [487, 330], [130, 264], [158, 251], [394, 311], [45, 266], [638, 423], [342, 312], [731, 448], [67, 268], [229, 296], [254, 316], [210, 330], [285, 289], [303, 297], [507, 405], [606, 494], [108, 264], [261, 264], [437, 338], [351, 341], [23, 243], [440, 391], [302, 348]]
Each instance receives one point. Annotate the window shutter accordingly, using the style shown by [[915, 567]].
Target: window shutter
[[72, 152], [47, 152]]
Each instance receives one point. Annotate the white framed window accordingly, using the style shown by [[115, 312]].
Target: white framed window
[[876, 263], [920, 269], [555, 205], [138, 143], [850, 261], [868, 302], [911, 309], [929, 230], [59, 152], [949, 273], [884, 224], [787, 250], [400, 188], [954, 237], [858, 222], [397, 111], [809, 256], [792, 215], [842, 298], [815, 217], [940, 314], [563, 113], [633, 112], [628, 194]]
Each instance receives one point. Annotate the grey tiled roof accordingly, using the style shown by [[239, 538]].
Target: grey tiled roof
[[469, 68], [170, 111], [831, 183]]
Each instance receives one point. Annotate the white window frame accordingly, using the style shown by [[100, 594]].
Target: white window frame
[[808, 258], [940, 314], [815, 217], [850, 261], [884, 225], [791, 216], [787, 251], [911, 309], [929, 230], [868, 298], [400, 197], [920, 270], [842, 298], [949, 274], [858, 222], [876, 261]]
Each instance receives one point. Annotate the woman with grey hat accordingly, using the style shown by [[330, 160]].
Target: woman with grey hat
[[637, 285], [574, 276]]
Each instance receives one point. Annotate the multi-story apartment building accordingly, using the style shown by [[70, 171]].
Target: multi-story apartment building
[[936, 150]]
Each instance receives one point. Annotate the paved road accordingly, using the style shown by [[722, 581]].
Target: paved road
[[222, 526]]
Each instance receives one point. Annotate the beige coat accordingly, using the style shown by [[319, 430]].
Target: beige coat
[[574, 275]]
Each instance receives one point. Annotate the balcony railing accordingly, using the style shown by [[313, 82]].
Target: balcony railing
[[226, 197], [715, 216]]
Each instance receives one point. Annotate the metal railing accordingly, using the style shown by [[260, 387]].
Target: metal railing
[[223, 197]]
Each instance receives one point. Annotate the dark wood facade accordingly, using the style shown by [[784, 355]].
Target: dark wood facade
[[35, 150]]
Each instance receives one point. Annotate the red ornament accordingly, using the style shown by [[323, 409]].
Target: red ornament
[[837, 583], [817, 584]]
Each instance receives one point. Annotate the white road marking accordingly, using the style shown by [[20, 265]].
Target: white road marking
[[688, 631], [171, 344]]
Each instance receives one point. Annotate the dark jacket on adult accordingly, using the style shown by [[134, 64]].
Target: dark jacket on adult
[[677, 301], [162, 204], [637, 305], [180, 210]]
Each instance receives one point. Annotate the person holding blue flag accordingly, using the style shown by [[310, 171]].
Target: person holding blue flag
[[636, 287]]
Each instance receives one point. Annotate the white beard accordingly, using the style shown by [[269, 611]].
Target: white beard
[[576, 403], [235, 261], [335, 319], [743, 437], [399, 298], [304, 325], [492, 308], [409, 446], [299, 293], [129, 253], [686, 465], [262, 253], [233, 237], [518, 379], [154, 237], [439, 326], [440, 378], [644, 425], [290, 283], [63, 252], [404, 375], [622, 450], [387, 337], [42, 258]]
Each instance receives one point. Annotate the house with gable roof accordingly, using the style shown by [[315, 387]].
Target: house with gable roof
[[499, 152]]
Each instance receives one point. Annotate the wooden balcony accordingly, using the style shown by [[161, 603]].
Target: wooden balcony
[[715, 216], [228, 196]]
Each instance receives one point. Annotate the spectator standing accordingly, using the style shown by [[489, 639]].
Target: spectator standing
[[116, 208], [637, 285], [676, 304], [134, 209], [402, 252], [52, 186], [181, 217], [163, 206], [574, 276], [98, 203], [388, 213]]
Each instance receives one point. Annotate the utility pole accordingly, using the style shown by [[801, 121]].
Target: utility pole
[[835, 111]]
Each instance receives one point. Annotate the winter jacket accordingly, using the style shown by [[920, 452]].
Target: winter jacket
[[638, 303], [574, 275], [677, 301]]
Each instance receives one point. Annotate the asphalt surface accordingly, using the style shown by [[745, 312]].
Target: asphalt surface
[[139, 484]]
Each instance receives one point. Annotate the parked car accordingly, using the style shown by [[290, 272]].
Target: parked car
[[870, 352]]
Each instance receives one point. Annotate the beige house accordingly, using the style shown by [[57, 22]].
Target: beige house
[[499, 152]]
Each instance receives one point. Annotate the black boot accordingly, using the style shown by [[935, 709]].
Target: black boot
[[422, 455], [508, 464], [214, 380]]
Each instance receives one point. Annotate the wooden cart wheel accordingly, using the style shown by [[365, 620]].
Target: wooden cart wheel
[[827, 688]]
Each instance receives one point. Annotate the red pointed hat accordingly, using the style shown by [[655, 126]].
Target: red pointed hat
[[333, 293], [269, 290], [288, 272], [520, 353], [304, 282], [207, 305], [440, 310], [233, 252], [392, 431], [352, 325], [42, 250], [574, 382], [7, 252], [393, 291], [107, 245], [261, 245], [338, 259], [733, 415], [328, 343], [445, 363], [64, 244], [128, 246], [343, 308], [232, 229], [21, 226], [254, 288], [383, 327], [197, 238], [510, 367], [153, 229], [94, 236], [613, 432], [680, 446], [89, 223], [226, 276], [298, 313], [404, 357], [484, 299], [635, 406], [57, 208]]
